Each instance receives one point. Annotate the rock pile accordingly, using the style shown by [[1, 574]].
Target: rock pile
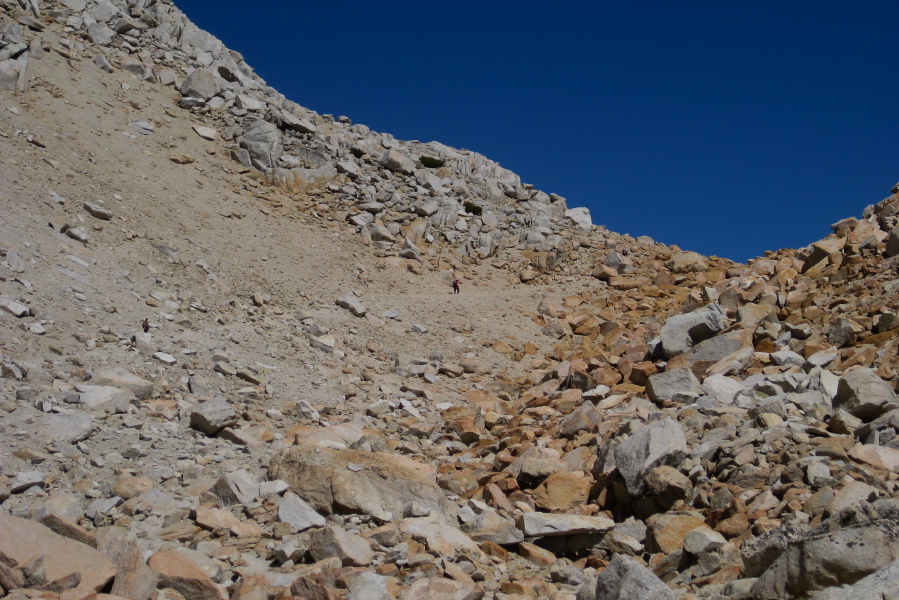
[[614, 418]]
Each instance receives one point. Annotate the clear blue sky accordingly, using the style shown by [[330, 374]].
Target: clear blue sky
[[729, 128]]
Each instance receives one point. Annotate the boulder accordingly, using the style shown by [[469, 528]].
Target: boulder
[[372, 483], [687, 262], [657, 444], [66, 428], [862, 393], [892, 248], [671, 385], [20, 539], [668, 485], [580, 216], [351, 549], [294, 511], [262, 140], [201, 83], [626, 579], [177, 571], [103, 397], [435, 588], [134, 579], [682, 332], [544, 524], [213, 416], [121, 378], [829, 559], [394, 160], [882, 584]]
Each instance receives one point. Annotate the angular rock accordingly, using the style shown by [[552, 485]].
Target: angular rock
[[378, 484], [661, 443], [213, 416], [668, 485], [544, 524], [121, 378], [201, 83], [97, 211], [881, 585], [352, 550], [177, 571], [682, 332], [134, 579], [352, 304], [830, 559], [863, 394], [239, 487], [669, 385], [262, 140], [20, 539], [298, 514], [66, 428], [626, 579], [433, 588], [103, 397]]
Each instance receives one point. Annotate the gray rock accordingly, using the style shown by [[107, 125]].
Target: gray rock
[[201, 83], [352, 550], [626, 579], [657, 444], [380, 233], [97, 211], [239, 487], [829, 559], [580, 216], [77, 233], [396, 161], [66, 429], [298, 514], [490, 526], [892, 248], [369, 586], [863, 394], [100, 34], [15, 262], [880, 585], [587, 590], [16, 309], [142, 127], [722, 389], [103, 397], [9, 75], [682, 332], [665, 386], [27, 479], [537, 524], [262, 141], [213, 416], [121, 378], [352, 304]]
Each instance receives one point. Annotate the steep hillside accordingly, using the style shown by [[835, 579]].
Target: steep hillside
[[233, 364]]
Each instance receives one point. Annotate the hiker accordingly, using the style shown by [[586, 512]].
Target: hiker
[[146, 325], [455, 285]]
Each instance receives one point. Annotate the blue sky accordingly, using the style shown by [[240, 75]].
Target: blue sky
[[728, 128]]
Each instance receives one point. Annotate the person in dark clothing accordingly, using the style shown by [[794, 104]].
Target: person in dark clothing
[[455, 285], [146, 325]]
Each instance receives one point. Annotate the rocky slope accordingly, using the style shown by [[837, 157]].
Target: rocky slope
[[232, 364]]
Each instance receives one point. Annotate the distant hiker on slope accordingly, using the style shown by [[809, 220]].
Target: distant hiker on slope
[[455, 284]]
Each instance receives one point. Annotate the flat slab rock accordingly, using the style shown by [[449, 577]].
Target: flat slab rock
[[21, 539], [545, 524]]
